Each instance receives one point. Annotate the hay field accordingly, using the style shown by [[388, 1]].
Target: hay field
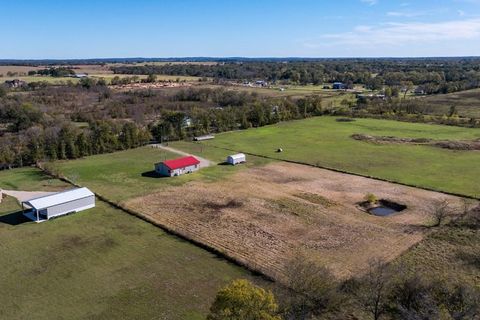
[[264, 216]]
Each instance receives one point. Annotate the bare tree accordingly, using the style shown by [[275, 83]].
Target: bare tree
[[441, 211], [373, 290], [315, 289]]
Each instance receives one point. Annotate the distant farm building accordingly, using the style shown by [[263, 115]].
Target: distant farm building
[[261, 83], [58, 204], [339, 86], [203, 138], [176, 167], [187, 122], [235, 159], [15, 83], [419, 91]]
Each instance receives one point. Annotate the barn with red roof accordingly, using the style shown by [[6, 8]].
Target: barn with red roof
[[176, 167]]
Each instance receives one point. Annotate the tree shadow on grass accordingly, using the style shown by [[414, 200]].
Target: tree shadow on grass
[[14, 218]]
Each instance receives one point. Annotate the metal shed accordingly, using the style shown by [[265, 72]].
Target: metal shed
[[58, 204], [203, 138], [236, 158]]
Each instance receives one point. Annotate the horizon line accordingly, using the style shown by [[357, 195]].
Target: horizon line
[[213, 58]]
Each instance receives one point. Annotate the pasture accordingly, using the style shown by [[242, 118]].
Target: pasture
[[51, 80], [272, 209], [128, 174], [100, 263], [323, 141], [466, 102]]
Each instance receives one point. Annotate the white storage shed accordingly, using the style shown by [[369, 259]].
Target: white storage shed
[[58, 204], [236, 158]]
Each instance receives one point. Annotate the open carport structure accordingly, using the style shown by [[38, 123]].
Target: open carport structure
[[46, 207]]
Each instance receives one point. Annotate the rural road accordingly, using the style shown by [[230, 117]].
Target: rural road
[[203, 162], [25, 195]]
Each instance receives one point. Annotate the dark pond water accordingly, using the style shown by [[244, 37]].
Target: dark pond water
[[382, 211]]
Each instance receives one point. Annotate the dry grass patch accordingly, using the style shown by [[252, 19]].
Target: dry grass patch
[[264, 216]]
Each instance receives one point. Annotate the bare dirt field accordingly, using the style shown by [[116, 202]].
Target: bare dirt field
[[264, 216]]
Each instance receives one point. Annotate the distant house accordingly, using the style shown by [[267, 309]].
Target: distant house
[[176, 167], [419, 91], [203, 138], [365, 97], [15, 83], [339, 86], [261, 83], [187, 122], [235, 159], [58, 204], [80, 75]]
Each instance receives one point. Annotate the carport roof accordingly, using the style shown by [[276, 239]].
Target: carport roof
[[58, 198]]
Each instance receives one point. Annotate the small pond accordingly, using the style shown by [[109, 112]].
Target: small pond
[[382, 211], [384, 208]]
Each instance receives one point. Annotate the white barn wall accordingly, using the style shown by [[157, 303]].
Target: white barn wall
[[72, 206]]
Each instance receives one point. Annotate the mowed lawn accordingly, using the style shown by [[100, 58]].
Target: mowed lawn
[[100, 264], [325, 142], [128, 174]]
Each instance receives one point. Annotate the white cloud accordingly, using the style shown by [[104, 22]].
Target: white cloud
[[370, 2], [405, 14], [396, 34]]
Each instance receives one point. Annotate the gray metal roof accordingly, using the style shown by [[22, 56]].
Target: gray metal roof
[[58, 198], [237, 156]]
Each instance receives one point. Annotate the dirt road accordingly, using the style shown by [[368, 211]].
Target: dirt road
[[203, 162]]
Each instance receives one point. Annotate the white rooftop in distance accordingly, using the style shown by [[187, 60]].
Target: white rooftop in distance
[[58, 198]]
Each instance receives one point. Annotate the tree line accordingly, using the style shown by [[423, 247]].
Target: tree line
[[67, 141], [433, 75]]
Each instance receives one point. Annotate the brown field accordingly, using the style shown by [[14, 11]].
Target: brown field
[[466, 102], [21, 70], [265, 216]]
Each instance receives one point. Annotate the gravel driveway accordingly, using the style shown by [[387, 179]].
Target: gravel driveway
[[25, 195], [203, 162]]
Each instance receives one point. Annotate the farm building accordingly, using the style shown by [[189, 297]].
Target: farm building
[[236, 158], [203, 138], [15, 83], [58, 204], [339, 86], [176, 167]]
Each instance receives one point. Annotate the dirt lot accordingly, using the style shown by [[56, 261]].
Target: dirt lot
[[286, 209]]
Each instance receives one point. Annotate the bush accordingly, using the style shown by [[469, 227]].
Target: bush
[[243, 300], [371, 198]]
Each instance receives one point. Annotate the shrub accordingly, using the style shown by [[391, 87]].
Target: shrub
[[371, 198], [243, 300]]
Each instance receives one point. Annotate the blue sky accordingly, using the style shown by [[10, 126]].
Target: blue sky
[[259, 28]]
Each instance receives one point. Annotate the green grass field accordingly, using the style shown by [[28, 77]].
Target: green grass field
[[325, 142], [51, 80], [128, 174], [100, 264]]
